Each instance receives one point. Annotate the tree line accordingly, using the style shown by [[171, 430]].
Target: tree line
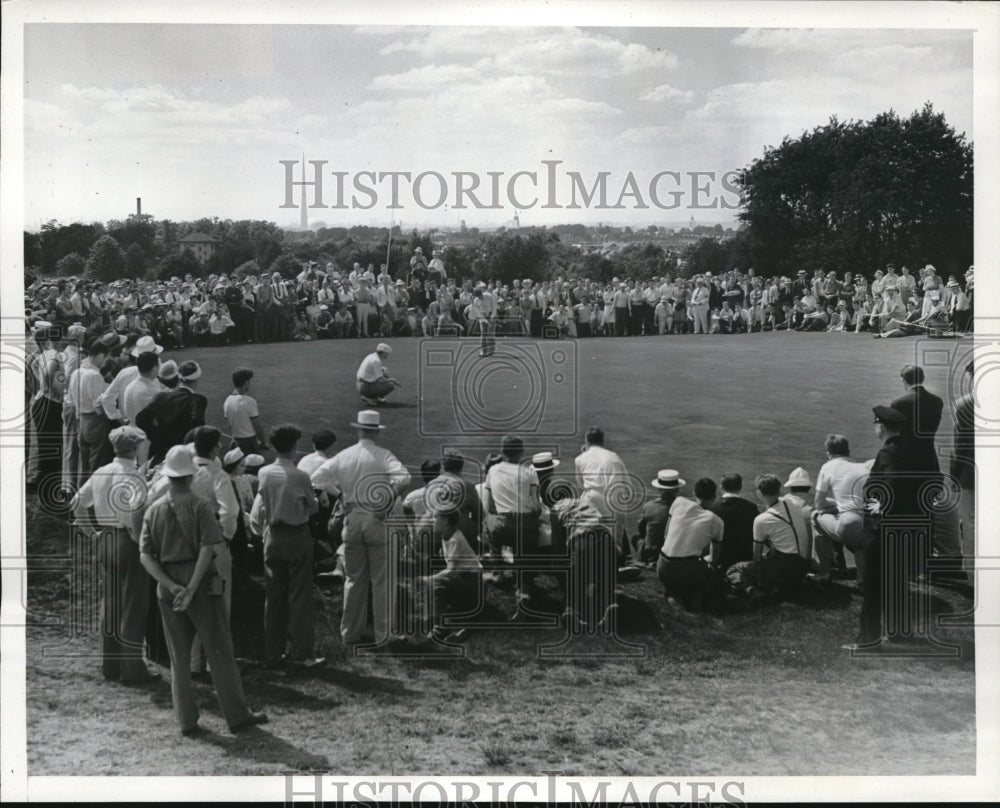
[[846, 196]]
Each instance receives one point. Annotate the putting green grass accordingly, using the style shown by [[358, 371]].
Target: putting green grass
[[704, 405]]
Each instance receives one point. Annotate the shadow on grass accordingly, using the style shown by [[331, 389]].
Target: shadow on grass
[[260, 746]]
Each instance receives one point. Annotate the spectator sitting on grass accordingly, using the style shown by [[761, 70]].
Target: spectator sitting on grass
[[781, 552]]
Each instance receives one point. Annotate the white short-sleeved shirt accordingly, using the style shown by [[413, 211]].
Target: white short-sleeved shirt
[[510, 487], [781, 527], [691, 529], [371, 368], [843, 479], [239, 409]]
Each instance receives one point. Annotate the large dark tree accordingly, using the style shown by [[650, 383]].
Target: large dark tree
[[106, 261], [856, 195]]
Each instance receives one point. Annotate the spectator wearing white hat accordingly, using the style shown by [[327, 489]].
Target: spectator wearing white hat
[[694, 534], [179, 533], [368, 478], [110, 503], [373, 380], [110, 400]]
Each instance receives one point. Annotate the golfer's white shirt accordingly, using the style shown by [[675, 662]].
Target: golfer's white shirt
[[371, 368]]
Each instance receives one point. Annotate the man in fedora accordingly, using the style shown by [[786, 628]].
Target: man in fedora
[[693, 533], [655, 515], [173, 413], [110, 503], [361, 475], [110, 399], [179, 533], [373, 380]]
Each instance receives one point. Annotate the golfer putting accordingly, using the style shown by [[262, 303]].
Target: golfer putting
[[374, 382]]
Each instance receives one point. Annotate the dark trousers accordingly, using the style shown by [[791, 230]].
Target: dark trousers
[[124, 606], [535, 323], [622, 318], [46, 415], [206, 617], [690, 580], [518, 531], [94, 444], [892, 560], [248, 445], [288, 605]]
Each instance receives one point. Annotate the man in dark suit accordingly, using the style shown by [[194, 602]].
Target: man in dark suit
[[173, 413], [922, 410], [895, 481], [737, 516]]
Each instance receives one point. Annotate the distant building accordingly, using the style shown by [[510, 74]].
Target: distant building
[[201, 245]]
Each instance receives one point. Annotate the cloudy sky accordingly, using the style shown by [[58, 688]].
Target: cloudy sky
[[195, 118]]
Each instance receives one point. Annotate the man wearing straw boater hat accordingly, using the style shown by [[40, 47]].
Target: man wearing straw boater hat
[[367, 478], [111, 503], [179, 534], [692, 532]]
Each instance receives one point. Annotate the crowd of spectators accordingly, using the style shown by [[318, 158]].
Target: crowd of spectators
[[327, 303]]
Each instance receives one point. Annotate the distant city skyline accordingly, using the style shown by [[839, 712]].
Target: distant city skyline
[[197, 119]]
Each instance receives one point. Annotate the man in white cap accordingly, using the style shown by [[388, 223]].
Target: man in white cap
[[360, 475], [111, 504], [179, 533], [111, 397], [693, 533], [173, 413], [799, 485], [373, 380]]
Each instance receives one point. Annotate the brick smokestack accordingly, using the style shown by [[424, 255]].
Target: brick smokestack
[[138, 207]]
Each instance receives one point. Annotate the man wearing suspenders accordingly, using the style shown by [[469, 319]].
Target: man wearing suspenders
[[781, 548]]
